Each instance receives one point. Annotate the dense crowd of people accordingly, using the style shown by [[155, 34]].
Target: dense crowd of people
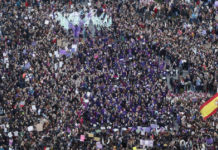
[[111, 92]]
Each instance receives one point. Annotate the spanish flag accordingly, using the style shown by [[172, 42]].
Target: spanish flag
[[209, 107]]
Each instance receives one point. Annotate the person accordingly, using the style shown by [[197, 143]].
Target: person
[[108, 89]]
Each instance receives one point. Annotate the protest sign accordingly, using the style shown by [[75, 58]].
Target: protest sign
[[61, 64], [97, 139], [99, 145], [147, 129], [90, 135], [216, 4], [102, 128], [6, 60], [86, 100], [142, 132], [10, 142], [56, 66], [74, 48], [142, 142], [138, 131], [34, 107], [30, 128], [149, 143], [97, 131], [16, 133], [46, 22], [82, 138], [59, 41], [115, 130], [124, 129], [65, 44], [10, 134], [39, 127], [56, 54]]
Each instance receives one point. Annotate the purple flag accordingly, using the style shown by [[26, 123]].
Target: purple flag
[[73, 50], [62, 52], [68, 54], [89, 15], [216, 3], [27, 65], [24, 51], [147, 129], [68, 130], [73, 27], [33, 43], [209, 141], [78, 28], [76, 31], [81, 23], [10, 142], [70, 25], [133, 129]]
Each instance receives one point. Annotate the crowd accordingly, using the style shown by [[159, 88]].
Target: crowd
[[111, 90]]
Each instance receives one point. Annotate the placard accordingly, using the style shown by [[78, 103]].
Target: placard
[[30, 128], [82, 138], [97, 139], [39, 127], [91, 135], [46, 22]]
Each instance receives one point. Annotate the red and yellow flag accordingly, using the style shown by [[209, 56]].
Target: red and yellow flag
[[209, 107]]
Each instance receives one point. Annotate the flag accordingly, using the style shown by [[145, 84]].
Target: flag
[[209, 107], [77, 31], [26, 4], [24, 75], [22, 103], [62, 52]]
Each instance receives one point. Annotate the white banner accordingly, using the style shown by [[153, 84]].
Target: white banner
[[146, 2]]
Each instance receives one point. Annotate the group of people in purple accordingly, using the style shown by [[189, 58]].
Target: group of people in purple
[[135, 85]]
